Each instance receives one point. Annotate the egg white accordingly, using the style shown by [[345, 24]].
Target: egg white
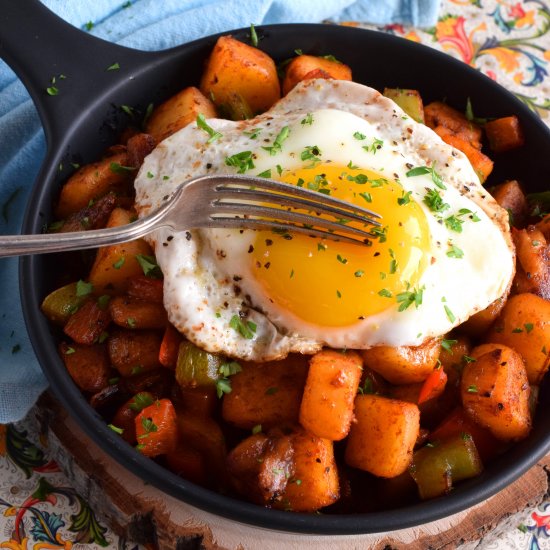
[[208, 277]]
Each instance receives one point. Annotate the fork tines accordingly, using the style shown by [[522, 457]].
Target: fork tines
[[301, 210]]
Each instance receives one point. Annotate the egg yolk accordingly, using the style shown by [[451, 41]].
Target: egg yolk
[[335, 284]]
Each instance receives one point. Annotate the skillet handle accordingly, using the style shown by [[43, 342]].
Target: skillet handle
[[40, 46]]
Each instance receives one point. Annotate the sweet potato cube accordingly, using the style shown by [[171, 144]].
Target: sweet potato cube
[[179, 111], [511, 197], [524, 325], [134, 351], [146, 288], [235, 69], [382, 440], [481, 163], [266, 393], [495, 391], [504, 134], [93, 181], [156, 428], [115, 265], [304, 67], [86, 325], [404, 364], [129, 312], [314, 483], [439, 114], [88, 365], [327, 404]]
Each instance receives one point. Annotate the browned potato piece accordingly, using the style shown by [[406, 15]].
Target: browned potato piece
[[495, 391], [327, 403], [533, 265], [459, 346], [438, 113], [524, 325], [115, 265], [303, 67], [404, 364], [511, 197], [266, 393], [87, 365], [178, 111], [409, 100], [129, 312], [235, 69], [205, 436], [382, 440], [132, 351], [481, 321], [314, 483], [91, 182]]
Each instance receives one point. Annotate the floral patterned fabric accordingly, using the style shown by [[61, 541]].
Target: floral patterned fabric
[[510, 42]]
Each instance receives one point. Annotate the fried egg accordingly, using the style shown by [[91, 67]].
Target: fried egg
[[443, 252]]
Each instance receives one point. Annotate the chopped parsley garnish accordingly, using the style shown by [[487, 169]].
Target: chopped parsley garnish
[[352, 166], [374, 146], [393, 263], [311, 152], [433, 200], [118, 168], [421, 170], [243, 161], [448, 344], [131, 322], [203, 125], [271, 391], [253, 36], [253, 134], [149, 266], [307, 120], [385, 293], [103, 337], [52, 90], [150, 175], [113, 67], [246, 330], [366, 196], [119, 263], [361, 179], [89, 25], [68, 351], [409, 297], [83, 288], [149, 426], [321, 246], [140, 401], [338, 293], [469, 113], [455, 252], [256, 429], [277, 146], [528, 327], [341, 259], [116, 429], [405, 198], [472, 389], [229, 369], [381, 233], [359, 273], [455, 222], [127, 109], [265, 174], [517, 330], [449, 313], [468, 359], [359, 135]]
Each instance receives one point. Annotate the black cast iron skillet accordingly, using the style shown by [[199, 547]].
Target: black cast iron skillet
[[85, 117]]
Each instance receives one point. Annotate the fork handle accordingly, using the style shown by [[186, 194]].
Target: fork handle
[[25, 245]]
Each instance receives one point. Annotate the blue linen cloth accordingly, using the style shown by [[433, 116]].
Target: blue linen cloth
[[146, 25]]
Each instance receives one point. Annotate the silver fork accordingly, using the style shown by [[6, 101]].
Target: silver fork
[[216, 201]]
